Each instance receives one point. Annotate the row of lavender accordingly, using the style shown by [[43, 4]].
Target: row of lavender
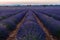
[[30, 30], [51, 19], [6, 13], [9, 24]]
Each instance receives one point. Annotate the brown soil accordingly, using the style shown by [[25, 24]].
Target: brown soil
[[13, 34], [48, 36]]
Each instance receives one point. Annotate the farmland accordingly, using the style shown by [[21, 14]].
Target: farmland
[[29, 23]]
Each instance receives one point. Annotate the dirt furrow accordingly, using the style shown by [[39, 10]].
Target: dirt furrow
[[13, 34], [48, 36]]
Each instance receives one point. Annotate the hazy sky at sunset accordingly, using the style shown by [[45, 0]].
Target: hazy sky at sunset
[[29, 1]]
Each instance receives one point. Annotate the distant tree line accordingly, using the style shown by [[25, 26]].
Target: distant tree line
[[32, 5]]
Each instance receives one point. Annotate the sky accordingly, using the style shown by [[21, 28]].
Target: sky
[[10, 2]]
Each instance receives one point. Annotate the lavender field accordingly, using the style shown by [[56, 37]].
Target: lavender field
[[29, 23]]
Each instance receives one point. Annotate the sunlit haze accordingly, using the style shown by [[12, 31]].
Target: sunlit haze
[[2, 2]]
